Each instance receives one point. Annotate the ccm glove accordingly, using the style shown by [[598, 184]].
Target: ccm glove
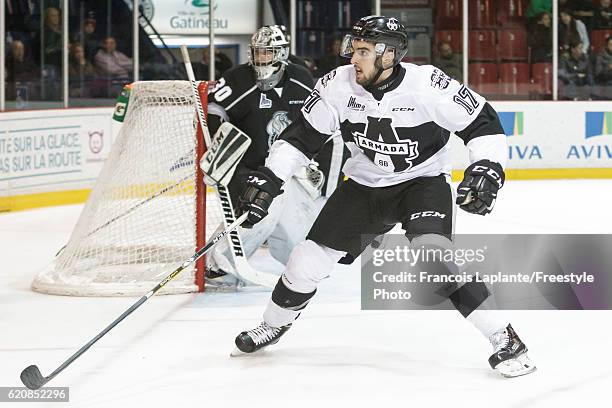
[[477, 192], [261, 187]]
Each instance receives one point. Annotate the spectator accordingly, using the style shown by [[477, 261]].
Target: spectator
[[572, 31], [20, 71], [537, 7], [18, 67], [450, 63], [603, 65], [575, 73], [80, 71], [222, 64], [51, 39], [332, 59], [603, 15], [108, 61], [540, 39], [582, 9], [88, 37]]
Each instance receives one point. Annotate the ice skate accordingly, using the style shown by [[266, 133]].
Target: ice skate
[[510, 356], [256, 339]]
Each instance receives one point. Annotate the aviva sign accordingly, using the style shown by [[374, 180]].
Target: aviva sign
[[597, 124], [512, 122], [522, 148]]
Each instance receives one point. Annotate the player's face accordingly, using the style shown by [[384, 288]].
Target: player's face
[[262, 56], [363, 60]]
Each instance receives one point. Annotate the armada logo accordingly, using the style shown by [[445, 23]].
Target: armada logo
[[328, 77], [404, 149], [354, 105], [392, 24], [439, 79]]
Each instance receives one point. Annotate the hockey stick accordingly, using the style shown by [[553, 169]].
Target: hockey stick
[[31, 376], [130, 210], [243, 269]]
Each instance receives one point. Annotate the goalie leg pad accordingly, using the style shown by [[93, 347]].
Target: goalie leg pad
[[298, 215]]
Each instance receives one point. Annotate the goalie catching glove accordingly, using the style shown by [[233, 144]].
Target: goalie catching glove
[[219, 162], [477, 192], [260, 189]]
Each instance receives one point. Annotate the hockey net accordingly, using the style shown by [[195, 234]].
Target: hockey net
[[149, 210]]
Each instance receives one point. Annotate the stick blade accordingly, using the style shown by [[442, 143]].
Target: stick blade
[[32, 378]]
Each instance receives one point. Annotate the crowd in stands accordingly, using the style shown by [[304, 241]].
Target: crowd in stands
[[97, 66], [510, 52], [511, 47], [34, 64]]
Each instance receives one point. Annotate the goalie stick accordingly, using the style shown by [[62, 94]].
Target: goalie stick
[[243, 269], [31, 375]]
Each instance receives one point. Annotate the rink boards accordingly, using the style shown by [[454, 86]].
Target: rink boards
[[53, 157]]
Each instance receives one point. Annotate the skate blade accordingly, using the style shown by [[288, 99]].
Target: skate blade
[[516, 367], [237, 353]]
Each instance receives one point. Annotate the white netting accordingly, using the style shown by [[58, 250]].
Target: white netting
[[139, 222]]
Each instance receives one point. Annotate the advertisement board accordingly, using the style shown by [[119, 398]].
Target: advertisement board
[[191, 16], [52, 150], [545, 136]]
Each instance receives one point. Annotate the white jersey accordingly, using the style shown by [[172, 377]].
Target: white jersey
[[403, 135]]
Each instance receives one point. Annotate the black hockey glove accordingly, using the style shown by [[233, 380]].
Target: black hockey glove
[[477, 192], [260, 189]]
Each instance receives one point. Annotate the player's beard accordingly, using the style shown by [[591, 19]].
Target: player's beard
[[362, 78]]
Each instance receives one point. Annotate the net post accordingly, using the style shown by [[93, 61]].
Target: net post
[[200, 266]]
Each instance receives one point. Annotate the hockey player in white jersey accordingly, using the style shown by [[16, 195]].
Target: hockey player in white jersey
[[396, 119]]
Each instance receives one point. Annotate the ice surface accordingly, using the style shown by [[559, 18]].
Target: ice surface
[[174, 351]]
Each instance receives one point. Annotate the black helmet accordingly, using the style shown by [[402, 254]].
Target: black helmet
[[378, 30]]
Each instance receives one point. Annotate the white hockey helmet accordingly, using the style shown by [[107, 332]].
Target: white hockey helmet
[[268, 55]]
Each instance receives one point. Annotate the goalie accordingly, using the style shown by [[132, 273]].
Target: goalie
[[260, 99]]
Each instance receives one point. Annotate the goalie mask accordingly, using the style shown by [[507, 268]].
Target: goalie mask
[[386, 33], [268, 55]]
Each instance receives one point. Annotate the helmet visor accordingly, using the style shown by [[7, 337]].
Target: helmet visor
[[349, 47]]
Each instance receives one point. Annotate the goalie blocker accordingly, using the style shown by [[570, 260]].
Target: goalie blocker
[[229, 145]]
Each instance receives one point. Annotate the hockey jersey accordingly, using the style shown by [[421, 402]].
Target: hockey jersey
[[402, 135]]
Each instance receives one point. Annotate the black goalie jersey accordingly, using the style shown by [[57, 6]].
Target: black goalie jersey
[[263, 115], [403, 135]]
